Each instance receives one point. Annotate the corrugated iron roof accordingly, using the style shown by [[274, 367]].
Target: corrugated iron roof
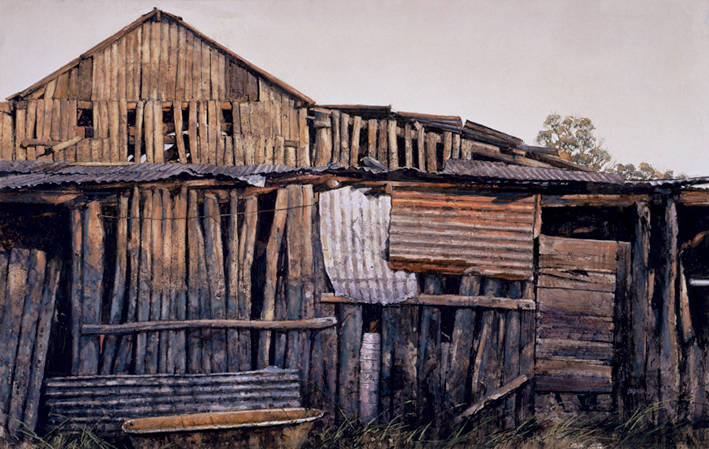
[[354, 229], [25, 174], [502, 171]]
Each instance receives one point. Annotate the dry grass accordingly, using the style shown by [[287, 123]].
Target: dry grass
[[638, 431]]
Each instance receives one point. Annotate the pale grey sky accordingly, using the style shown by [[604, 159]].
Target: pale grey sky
[[638, 68]]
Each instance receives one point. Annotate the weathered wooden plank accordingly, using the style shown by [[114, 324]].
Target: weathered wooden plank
[[138, 138], [484, 368], [212, 127], [127, 344], [461, 347], [392, 144], [420, 146], [204, 85], [215, 272], [113, 130], [430, 389], [27, 337], [447, 146], [232, 280], [143, 294], [122, 130], [247, 240], [554, 300], [118, 290], [641, 296], [39, 356], [404, 363], [431, 151], [594, 255], [164, 61], [194, 357], [456, 146], [408, 148], [148, 131], [669, 347], [556, 348], [192, 133], [191, 67], [350, 319], [294, 282], [155, 57], [179, 138], [173, 54], [92, 277], [344, 156], [307, 275], [155, 356], [336, 142], [269, 292], [204, 147], [354, 146], [323, 138], [85, 81], [507, 389], [17, 289], [382, 140], [77, 234], [372, 138], [167, 294], [179, 257], [386, 376], [20, 114], [577, 280], [526, 356], [218, 324], [158, 132]]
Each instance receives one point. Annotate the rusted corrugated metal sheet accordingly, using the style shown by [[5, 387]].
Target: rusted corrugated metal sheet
[[354, 232], [499, 170], [485, 234], [102, 403]]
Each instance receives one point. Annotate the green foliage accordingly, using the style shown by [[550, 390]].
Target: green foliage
[[575, 138]]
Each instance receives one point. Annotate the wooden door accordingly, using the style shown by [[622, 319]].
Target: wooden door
[[576, 294]]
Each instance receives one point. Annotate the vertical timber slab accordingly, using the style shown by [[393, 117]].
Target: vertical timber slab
[[640, 302], [294, 287], [511, 352], [118, 291], [669, 352], [382, 139], [247, 240], [144, 277], [429, 361], [194, 352], [17, 289], [28, 334], [92, 277], [392, 144], [350, 319], [167, 296], [77, 235], [461, 347], [153, 354], [179, 255], [127, 342], [269, 293], [39, 357], [215, 273], [405, 361], [354, 146], [232, 281]]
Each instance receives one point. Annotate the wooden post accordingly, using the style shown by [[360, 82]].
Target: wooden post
[[372, 138], [215, 274], [344, 139], [405, 362], [127, 344], [511, 352], [269, 293], [168, 340], [179, 232], [179, 138], [429, 373], [447, 146], [350, 319], [118, 293], [143, 306], [640, 302], [393, 146], [194, 359], [294, 287], [420, 146], [247, 240], [77, 235], [335, 119], [93, 285], [138, 138], [461, 347], [431, 153], [408, 149], [526, 354], [17, 289], [154, 355], [382, 139], [354, 146], [232, 280], [669, 353], [28, 332], [39, 356]]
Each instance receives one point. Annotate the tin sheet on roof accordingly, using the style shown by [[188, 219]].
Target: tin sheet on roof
[[489, 234], [499, 170], [25, 174], [354, 232]]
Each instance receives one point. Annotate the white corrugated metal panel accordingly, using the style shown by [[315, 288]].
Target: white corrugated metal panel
[[354, 233], [490, 234]]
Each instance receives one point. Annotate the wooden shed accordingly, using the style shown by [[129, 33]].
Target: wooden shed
[[181, 231]]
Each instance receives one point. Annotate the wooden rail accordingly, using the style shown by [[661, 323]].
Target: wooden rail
[[486, 302], [150, 326]]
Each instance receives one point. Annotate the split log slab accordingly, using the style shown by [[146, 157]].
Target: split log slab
[[92, 276], [350, 318]]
